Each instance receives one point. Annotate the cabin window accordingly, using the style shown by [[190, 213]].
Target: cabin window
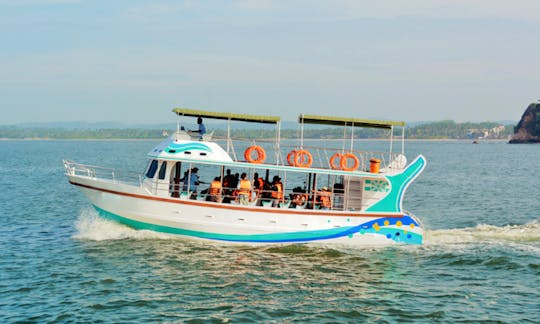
[[152, 169], [162, 170]]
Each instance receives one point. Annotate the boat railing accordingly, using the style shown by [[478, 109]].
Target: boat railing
[[258, 198], [98, 172], [321, 156]]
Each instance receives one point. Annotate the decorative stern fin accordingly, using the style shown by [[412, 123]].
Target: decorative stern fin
[[392, 202]]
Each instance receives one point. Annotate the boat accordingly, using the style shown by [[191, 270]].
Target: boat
[[304, 194]]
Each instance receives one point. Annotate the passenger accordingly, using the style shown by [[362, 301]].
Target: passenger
[[227, 181], [277, 190], [202, 128], [234, 181], [215, 190], [193, 182], [299, 199], [244, 190], [258, 184], [184, 180], [324, 198]]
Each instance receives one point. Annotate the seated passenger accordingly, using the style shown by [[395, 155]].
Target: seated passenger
[[244, 189], [214, 192], [324, 198], [191, 181], [258, 184], [277, 190], [299, 199], [227, 188]]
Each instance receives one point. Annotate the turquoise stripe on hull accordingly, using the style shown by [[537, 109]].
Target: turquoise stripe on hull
[[397, 235]]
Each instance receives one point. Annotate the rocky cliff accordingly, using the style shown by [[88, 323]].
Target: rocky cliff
[[528, 128]]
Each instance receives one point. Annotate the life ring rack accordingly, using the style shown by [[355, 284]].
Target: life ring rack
[[261, 154]]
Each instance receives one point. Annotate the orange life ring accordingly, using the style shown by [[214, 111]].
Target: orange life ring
[[290, 157], [261, 154], [332, 160], [303, 159], [343, 162]]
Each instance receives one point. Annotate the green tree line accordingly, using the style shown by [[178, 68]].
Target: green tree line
[[447, 129]]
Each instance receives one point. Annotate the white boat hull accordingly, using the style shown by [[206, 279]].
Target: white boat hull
[[135, 207]]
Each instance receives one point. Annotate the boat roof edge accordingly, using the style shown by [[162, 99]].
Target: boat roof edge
[[344, 121], [227, 116]]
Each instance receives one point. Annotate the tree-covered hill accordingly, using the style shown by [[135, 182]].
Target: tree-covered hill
[[447, 129]]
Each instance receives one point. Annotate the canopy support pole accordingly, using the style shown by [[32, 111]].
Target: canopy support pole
[[278, 139], [344, 139], [391, 138], [403, 140], [302, 134], [352, 136], [228, 135]]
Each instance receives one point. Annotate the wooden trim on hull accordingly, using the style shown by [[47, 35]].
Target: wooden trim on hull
[[325, 213]]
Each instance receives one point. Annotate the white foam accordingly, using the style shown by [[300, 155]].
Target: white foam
[[527, 233], [92, 227]]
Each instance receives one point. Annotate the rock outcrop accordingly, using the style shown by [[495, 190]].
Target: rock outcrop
[[528, 128]]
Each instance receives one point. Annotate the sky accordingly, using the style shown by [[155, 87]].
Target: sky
[[134, 61]]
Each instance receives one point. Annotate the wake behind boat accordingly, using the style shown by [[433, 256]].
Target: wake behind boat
[[271, 193]]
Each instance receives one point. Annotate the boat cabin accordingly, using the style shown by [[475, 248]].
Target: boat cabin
[[272, 173]]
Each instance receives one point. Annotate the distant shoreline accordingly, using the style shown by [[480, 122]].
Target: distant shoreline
[[263, 139]]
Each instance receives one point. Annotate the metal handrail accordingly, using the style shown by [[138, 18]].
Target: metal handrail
[[104, 173], [320, 154]]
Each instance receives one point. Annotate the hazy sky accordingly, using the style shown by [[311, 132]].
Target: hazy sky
[[133, 61]]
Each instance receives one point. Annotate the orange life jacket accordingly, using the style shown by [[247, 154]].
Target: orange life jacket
[[215, 187], [245, 187], [278, 194]]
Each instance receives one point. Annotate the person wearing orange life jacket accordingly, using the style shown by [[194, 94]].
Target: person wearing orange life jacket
[[244, 189], [215, 190], [258, 184], [325, 198], [277, 190]]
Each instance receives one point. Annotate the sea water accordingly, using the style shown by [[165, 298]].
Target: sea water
[[60, 262]]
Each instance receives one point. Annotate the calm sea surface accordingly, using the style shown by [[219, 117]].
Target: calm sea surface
[[481, 260]]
